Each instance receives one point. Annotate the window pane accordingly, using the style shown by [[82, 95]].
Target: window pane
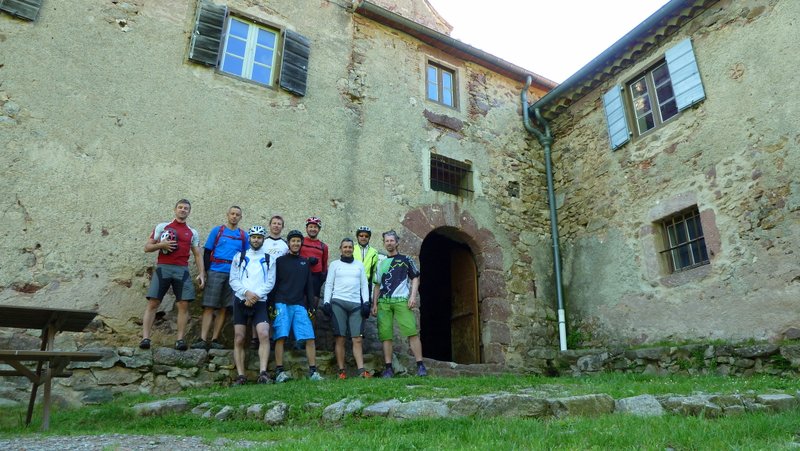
[[266, 38], [447, 98], [645, 123], [447, 80], [661, 75], [433, 91], [236, 46], [680, 229], [261, 74], [684, 259], [668, 110], [673, 239], [264, 56], [233, 65], [238, 28]]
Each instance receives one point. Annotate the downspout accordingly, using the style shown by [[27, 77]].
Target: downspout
[[546, 140]]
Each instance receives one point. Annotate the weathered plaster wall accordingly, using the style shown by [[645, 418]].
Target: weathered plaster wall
[[106, 124], [734, 155]]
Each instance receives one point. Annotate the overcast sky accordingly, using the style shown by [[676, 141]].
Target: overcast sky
[[553, 38]]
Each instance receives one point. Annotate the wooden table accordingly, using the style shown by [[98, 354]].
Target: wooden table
[[50, 321]]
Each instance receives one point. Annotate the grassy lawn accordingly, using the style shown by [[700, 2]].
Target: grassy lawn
[[305, 430]]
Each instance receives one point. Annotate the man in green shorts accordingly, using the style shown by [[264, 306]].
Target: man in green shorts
[[397, 281]]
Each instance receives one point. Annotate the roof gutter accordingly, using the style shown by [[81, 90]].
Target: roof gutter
[[448, 44], [619, 48]]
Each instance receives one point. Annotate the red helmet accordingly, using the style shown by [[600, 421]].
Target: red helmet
[[314, 220]]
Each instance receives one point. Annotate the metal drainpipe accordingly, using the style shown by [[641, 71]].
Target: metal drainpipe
[[546, 140]]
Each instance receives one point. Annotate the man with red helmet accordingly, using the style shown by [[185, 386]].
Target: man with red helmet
[[317, 254]]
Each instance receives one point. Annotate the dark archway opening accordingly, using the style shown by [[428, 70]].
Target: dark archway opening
[[449, 304]]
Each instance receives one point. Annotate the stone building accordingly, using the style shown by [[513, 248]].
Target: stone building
[[359, 113], [676, 172]]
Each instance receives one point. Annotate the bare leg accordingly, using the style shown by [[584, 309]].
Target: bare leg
[[387, 351], [149, 316], [183, 317], [358, 353], [279, 351], [239, 331], [339, 349], [263, 345], [311, 352], [416, 347], [219, 322], [208, 315]]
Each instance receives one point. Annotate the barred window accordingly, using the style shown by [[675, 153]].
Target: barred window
[[685, 245], [450, 176]]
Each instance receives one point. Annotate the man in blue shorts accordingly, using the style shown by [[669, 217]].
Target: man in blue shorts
[[293, 299], [223, 242], [394, 296], [173, 241], [252, 277]]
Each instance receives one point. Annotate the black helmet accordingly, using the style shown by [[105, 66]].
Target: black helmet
[[294, 234]]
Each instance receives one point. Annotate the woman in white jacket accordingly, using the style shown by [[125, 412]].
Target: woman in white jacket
[[252, 278], [345, 291]]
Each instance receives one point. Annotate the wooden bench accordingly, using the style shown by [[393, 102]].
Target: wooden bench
[[49, 363]]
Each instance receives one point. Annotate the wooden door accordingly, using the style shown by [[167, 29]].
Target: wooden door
[[464, 321]]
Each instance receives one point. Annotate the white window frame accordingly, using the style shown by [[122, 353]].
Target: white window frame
[[251, 45]]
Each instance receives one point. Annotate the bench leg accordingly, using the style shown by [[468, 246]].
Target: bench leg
[[33, 394]]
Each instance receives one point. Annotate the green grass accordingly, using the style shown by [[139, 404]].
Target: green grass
[[305, 430]]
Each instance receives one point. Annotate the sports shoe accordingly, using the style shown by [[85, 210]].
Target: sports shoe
[[144, 344], [215, 344], [254, 344], [315, 376], [388, 373], [342, 375], [283, 376], [365, 375], [240, 380], [200, 344], [180, 345], [422, 371], [263, 378]]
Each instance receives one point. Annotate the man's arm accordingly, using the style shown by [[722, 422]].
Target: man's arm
[[201, 269], [152, 245], [412, 297]]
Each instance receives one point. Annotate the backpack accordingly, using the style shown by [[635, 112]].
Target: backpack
[[214, 248]]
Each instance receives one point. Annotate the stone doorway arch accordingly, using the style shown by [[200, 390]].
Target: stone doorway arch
[[461, 227]]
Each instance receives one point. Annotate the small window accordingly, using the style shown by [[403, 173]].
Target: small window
[[652, 98], [24, 9], [441, 85], [249, 51], [685, 245], [450, 176]]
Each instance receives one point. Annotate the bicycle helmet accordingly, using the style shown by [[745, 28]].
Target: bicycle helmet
[[294, 234], [257, 230], [314, 220], [364, 229]]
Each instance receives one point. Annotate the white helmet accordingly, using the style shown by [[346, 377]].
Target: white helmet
[[257, 230]]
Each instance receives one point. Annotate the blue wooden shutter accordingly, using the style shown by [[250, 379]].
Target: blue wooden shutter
[[207, 34], [686, 83], [24, 9], [294, 68], [615, 117]]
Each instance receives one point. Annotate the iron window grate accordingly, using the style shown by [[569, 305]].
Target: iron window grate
[[684, 241], [450, 176]]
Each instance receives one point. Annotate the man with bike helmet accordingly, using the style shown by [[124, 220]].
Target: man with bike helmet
[[366, 254], [317, 254], [252, 278], [294, 306]]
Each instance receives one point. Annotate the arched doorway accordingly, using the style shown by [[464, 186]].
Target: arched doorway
[[449, 314]]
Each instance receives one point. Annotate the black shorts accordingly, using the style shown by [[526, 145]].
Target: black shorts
[[242, 313]]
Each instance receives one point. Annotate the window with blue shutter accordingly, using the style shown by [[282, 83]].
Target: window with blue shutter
[[24, 9], [658, 94], [684, 74], [615, 117], [246, 49]]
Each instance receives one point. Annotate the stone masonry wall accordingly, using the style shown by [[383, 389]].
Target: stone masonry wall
[[733, 155]]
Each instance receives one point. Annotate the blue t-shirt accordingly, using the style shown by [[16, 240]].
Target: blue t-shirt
[[230, 242]]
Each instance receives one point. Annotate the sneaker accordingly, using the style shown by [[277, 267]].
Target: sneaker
[[263, 378], [144, 344], [200, 344], [315, 376], [422, 371], [240, 380], [215, 344], [365, 374], [342, 375], [180, 345], [254, 344], [283, 376], [388, 373]]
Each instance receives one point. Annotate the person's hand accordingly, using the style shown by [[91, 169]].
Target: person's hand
[[201, 279], [412, 302], [327, 308], [168, 245], [374, 309], [313, 260], [311, 313]]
